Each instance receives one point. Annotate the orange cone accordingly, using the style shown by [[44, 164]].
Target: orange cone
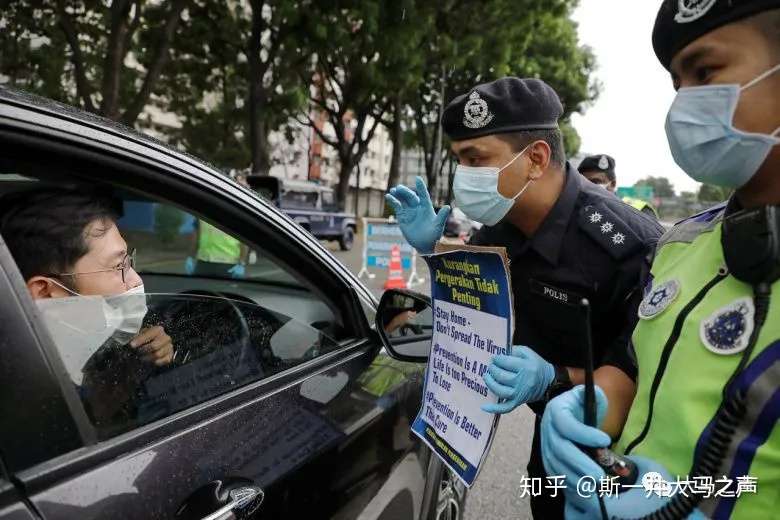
[[395, 278]]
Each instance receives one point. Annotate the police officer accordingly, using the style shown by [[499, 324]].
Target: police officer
[[707, 342], [566, 239], [600, 170]]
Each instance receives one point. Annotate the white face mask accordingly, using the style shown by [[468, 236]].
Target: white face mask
[[80, 325], [476, 192]]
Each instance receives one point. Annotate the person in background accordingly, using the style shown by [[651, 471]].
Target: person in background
[[600, 170], [215, 253]]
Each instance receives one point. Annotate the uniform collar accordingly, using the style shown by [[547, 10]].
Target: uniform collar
[[548, 239]]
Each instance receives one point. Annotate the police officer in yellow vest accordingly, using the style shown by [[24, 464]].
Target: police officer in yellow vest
[[708, 340], [216, 254], [600, 170]]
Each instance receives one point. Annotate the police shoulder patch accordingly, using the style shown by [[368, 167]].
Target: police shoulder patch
[[608, 230], [728, 329], [658, 298]]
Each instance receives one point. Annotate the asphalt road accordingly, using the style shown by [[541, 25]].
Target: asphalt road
[[495, 495]]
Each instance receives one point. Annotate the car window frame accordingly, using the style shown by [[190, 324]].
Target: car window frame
[[146, 166]]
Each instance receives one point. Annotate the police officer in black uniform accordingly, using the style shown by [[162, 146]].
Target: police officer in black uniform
[[566, 239], [600, 170]]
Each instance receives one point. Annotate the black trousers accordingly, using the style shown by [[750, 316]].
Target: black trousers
[[213, 269], [544, 506]]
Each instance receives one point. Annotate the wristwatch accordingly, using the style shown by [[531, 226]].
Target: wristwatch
[[560, 383]]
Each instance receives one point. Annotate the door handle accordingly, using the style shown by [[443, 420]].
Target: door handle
[[244, 500]]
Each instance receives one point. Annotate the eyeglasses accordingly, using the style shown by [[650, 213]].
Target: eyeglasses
[[128, 262]]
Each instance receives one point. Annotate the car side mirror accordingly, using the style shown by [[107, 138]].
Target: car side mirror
[[404, 321]]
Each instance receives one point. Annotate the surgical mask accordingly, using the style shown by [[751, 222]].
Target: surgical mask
[[80, 325], [476, 192], [704, 142]]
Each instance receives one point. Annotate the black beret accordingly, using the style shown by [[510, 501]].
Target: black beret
[[502, 106], [598, 163], [679, 22]]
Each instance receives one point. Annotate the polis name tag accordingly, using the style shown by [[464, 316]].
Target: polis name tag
[[554, 293]]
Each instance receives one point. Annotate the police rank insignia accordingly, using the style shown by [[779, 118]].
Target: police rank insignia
[[476, 113], [609, 231], [604, 162], [658, 299], [727, 330], [691, 10]]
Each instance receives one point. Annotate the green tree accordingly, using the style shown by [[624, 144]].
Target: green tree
[[713, 194], [355, 74], [115, 51], [661, 186]]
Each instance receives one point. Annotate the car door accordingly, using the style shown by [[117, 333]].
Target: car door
[[327, 436]]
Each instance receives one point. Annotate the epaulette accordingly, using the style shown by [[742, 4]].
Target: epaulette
[[608, 230]]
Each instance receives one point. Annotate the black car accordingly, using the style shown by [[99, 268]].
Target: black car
[[280, 402]]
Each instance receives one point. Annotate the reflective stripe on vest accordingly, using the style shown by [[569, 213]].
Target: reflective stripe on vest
[[689, 386]]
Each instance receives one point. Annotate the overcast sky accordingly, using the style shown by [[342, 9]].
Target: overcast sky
[[627, 120]]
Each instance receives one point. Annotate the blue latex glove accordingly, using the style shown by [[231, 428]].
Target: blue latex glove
[[420, 225], [633, 503], [189, 265], [237, 271], [520, 378], [563, 429]]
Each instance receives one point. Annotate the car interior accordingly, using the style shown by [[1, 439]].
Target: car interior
[[227, 331]]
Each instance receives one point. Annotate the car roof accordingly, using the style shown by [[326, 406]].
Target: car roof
[[45, 106]]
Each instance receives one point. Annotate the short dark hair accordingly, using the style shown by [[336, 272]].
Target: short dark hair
[[553, 137], [46, 229]]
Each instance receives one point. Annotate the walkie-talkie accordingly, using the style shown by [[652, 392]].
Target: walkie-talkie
[[613, 465]]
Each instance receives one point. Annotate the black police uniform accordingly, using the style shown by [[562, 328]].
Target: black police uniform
[[592, 246]]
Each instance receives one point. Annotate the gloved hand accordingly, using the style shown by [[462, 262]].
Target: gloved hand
[[237, 271], [420, 225], [563, 429], [189, 265], [633, 503], [522, 377]]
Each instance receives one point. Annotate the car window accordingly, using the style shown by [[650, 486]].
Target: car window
[[299, 199], [328, 200], [212, 314]]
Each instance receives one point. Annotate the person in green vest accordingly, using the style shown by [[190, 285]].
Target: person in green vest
[[600, 170], [215, 253], [708, 339]]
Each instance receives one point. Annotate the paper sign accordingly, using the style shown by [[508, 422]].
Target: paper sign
[[473, 321]]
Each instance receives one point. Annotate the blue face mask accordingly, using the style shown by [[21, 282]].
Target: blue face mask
[[704, 142], [476, 192]]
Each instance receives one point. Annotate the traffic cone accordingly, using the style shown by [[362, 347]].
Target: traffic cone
[[395, 278]]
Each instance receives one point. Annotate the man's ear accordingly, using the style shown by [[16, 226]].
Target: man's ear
[[41, 287], [612, 186], [540, 154]]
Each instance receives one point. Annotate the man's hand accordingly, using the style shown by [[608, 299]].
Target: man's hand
[[520, 378], [564, 431], [420, 225], [633, 503], [154, 346]]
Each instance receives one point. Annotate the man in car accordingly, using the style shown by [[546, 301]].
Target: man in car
[[566, 239], [66, 243]]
